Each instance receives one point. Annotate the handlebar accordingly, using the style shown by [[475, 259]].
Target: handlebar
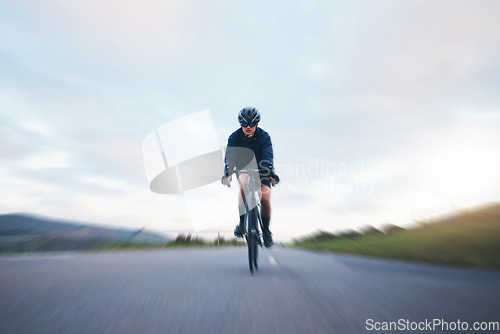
[[226, 175], [250, 170]]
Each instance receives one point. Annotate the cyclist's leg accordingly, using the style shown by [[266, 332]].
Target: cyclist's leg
[[243, 182], [265, 201]]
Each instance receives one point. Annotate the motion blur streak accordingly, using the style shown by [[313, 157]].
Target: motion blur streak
[[211, 291]]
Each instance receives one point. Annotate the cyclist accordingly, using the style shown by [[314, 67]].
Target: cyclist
[[250, 136]]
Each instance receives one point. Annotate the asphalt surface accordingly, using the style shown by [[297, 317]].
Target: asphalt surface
[[212, 291]]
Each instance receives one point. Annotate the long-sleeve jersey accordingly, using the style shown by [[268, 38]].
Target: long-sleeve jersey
[[259, 143]]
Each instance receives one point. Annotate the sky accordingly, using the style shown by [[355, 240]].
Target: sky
[[380, 112]]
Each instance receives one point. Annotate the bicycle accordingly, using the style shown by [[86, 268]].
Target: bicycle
[[252, 229], [240, 160]]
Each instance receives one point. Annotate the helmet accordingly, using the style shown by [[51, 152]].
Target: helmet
[[249, 115]]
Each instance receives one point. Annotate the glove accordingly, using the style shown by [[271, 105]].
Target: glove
[[226, 180], [276, 179], [272, 174]]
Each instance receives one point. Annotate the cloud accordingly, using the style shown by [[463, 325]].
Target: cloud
[[381, 83], [431, 52], [108, 183], [51, 159], [124, 28]]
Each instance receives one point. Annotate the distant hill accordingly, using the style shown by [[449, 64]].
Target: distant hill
[[467, 238], [23, 232]]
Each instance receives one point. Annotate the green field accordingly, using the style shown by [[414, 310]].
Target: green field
[[469, 238]]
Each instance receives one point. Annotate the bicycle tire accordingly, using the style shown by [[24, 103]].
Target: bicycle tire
[[256, 223], [256, 253], [251, 250], [252, 241]]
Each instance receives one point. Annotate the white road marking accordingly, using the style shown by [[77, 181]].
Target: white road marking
[[272, 261]]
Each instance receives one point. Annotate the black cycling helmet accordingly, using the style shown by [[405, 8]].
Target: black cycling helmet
[[249, 115]]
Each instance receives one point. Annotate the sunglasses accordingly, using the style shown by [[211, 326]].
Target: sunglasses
[[248, 124]]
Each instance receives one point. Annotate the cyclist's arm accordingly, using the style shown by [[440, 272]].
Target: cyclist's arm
[[267, 152], [231, 142], [226, 178], [267, 164]]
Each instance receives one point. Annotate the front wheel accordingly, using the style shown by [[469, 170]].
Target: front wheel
[[256, 251], [252, 239], [252, 249]]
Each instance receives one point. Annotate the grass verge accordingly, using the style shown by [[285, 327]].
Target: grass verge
[[470, 239]]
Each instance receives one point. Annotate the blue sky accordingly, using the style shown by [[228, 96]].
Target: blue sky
[[379, 111]]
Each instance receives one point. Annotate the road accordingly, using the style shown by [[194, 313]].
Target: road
[[212, 291]]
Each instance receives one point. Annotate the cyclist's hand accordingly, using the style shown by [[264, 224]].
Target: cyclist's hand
[[274, 180], [226, 180]]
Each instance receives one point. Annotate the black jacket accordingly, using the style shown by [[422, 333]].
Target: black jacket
[[260, 144]]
